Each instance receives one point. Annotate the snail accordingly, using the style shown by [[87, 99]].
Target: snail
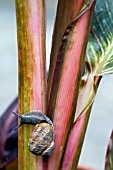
[[41, 141]]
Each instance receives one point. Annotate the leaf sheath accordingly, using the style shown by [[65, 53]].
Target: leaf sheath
[[66, 80]]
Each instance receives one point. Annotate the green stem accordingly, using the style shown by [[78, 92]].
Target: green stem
[[31, 40]]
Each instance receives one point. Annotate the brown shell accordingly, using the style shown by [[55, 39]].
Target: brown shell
[[41, 139]]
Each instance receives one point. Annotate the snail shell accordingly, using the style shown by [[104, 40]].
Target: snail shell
[[41, 141]]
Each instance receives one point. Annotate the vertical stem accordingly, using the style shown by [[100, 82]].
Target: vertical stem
[[31, 56]]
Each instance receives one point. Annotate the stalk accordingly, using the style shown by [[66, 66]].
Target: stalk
[[31, 56]]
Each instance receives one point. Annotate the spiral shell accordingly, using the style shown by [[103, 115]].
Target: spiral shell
[[41, 139]]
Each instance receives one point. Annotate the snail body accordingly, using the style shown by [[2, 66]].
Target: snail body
[[41, 141]]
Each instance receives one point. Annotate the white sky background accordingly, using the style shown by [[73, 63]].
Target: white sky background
[[101, 120]]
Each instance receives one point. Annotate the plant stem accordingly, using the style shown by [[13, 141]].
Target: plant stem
[[31, 56]]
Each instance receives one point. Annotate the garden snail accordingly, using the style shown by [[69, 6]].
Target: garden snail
[[41, 141]]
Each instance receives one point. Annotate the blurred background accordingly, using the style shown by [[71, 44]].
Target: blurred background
[[101, 119]]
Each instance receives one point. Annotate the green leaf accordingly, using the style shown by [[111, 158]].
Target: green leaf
[[99, 54], [100, 45]]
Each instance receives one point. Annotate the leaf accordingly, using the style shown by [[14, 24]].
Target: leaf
[[66, 13], [99, 54], [67, 74], [75, 140], [100, 45], [8, 122], [109, 154]]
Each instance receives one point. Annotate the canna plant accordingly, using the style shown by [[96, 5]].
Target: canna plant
[[78, 61], [32, 84]]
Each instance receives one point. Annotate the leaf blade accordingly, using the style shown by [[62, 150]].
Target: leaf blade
[[66, 11], [96, 59], [63, 102], [99, 54], [100, 43], [75, 141]]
